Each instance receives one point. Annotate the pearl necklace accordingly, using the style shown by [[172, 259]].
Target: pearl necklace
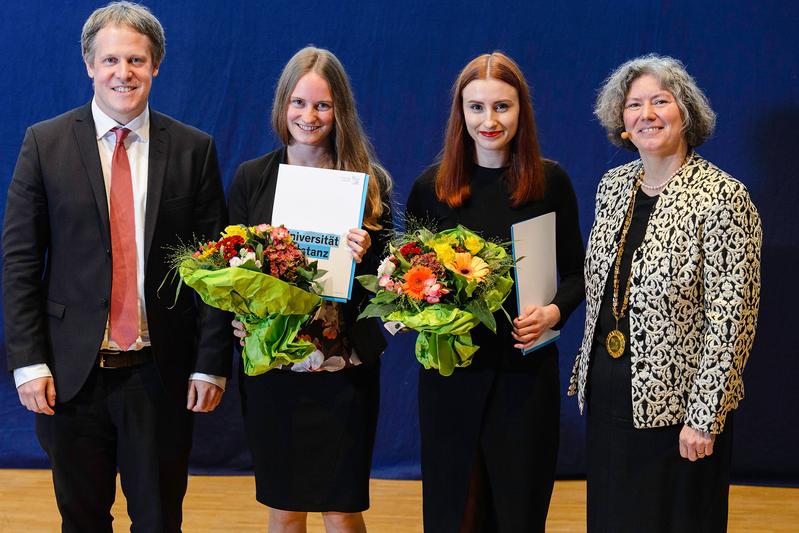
[[660, 186]]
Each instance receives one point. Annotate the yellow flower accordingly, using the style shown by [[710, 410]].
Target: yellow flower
[[444, 252], [441, 239], [208, 252], [473, 243], [470, 267], [230, 231]]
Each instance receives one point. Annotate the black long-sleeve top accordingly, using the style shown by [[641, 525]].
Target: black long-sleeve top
[[488, 211], [250, 200]]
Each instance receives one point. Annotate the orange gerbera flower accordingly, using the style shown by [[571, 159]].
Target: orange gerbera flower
[[416, 281], [470, 267]]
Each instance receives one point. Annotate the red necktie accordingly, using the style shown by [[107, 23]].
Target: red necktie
[[124, 315]]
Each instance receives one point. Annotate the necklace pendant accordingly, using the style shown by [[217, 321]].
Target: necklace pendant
[[615, 343]]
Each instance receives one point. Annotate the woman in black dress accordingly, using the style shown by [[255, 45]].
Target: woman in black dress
[[672, 286], [490, 430], [311, 427]]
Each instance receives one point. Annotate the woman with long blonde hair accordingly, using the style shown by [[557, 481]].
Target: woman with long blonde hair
[[311, 426]]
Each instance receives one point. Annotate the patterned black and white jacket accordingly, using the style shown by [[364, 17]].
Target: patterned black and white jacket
[[694, 296]]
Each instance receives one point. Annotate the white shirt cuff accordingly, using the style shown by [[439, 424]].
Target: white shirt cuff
[[29, 373], [219, 381]]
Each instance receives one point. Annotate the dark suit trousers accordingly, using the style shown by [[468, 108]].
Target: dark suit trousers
[[120, 419]]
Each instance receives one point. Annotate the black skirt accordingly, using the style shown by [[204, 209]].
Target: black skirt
[[311, 435], [637, 480]]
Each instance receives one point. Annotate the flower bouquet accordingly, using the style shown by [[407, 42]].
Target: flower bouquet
[[261, 275], [441, 285]]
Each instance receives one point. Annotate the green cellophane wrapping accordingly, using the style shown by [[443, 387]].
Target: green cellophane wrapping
[[445, 342], [272, 311]]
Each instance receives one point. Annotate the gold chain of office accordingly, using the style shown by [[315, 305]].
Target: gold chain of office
[[615, 341]]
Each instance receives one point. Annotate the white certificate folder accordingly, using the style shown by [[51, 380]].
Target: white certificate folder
[[319, 206], [536, 268]]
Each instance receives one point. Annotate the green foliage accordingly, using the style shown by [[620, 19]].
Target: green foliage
[[378, 310], [369, 282], [480, 310]]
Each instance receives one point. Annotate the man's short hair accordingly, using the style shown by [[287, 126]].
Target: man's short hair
[[134, 16]]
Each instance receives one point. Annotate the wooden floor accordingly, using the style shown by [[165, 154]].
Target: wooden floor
[[227, 504]]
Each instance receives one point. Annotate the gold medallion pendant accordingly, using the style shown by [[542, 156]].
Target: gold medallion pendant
[[615, 343]]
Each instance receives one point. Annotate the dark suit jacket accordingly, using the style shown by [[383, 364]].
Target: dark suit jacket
[[57, 251], [250, 200]]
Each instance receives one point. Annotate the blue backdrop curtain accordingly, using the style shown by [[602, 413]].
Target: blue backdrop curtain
[[224, 57]]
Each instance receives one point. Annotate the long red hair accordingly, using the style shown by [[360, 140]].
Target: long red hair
[[525, 173]]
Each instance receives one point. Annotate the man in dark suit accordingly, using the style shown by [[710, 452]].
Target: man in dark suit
[[112, 370]]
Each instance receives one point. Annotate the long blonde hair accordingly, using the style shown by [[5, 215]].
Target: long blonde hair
[[351, 148]]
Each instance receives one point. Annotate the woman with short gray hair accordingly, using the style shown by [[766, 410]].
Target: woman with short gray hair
[[672, 276]]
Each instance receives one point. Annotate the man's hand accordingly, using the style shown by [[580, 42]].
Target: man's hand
[[38, 395], [203, 396]]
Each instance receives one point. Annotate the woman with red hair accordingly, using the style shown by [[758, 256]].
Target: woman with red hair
[[490, 430]]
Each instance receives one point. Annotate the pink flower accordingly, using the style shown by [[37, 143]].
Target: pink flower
[[434, 291], [264, 228], [386, 282], [280, 233]]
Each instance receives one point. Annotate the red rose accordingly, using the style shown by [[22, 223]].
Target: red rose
[[410, 249]]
